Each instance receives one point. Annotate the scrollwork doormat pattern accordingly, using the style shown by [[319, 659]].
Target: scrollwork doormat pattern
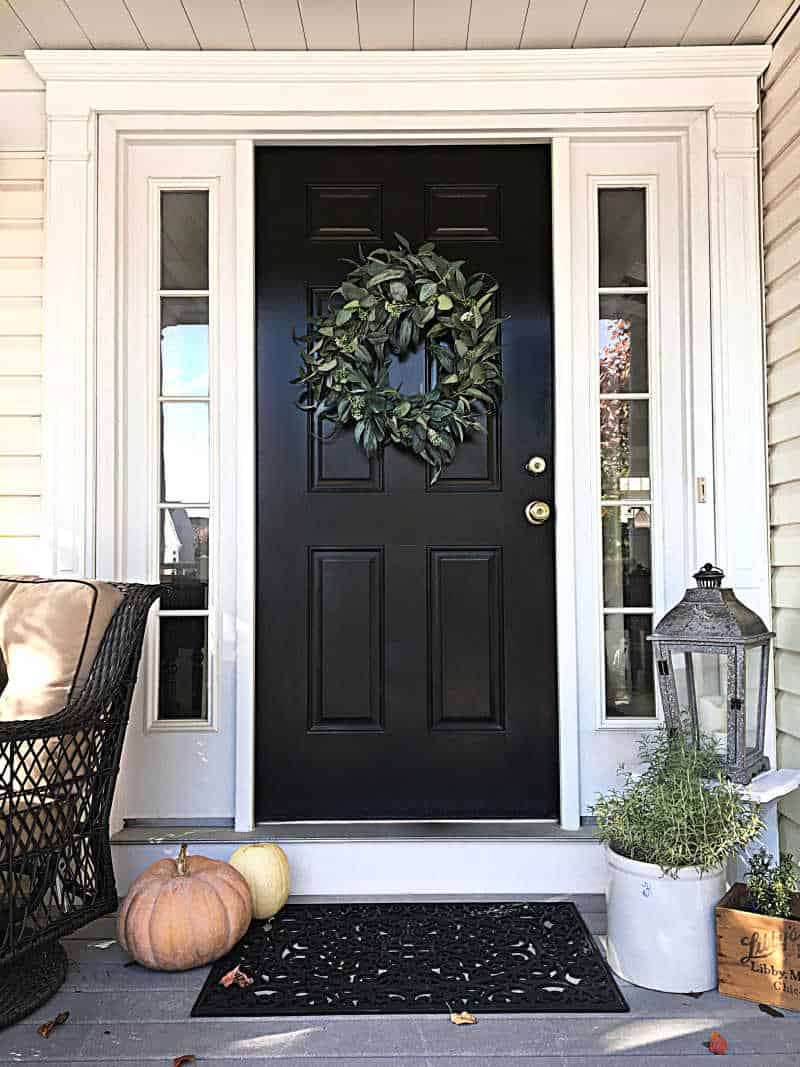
[[357, 959]]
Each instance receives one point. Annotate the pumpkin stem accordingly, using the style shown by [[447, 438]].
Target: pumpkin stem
[[183, 861]]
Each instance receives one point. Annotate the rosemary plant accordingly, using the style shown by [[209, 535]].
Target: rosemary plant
[[680, 811], [771, 886]]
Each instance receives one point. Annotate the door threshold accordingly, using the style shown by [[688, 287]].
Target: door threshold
[[448, 860], [407, 822], [421, 831]]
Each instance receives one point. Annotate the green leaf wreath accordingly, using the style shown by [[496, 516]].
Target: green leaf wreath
[[391, 301]]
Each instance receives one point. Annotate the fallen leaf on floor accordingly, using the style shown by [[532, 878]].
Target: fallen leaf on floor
[[103, 944], [179, 1061], [46, 1029], [236, 977], [769, 1010], [717, 1043], [462, 1018]]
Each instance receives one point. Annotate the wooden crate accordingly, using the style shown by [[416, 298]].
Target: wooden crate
[[758, 957]]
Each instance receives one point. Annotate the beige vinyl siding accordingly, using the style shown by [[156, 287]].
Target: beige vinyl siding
[[22, 172], [780, 116]]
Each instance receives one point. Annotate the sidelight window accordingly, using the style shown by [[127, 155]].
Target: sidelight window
[[184, 434], [626, 490]]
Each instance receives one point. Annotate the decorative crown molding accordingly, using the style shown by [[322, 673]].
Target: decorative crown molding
[[741, 61]]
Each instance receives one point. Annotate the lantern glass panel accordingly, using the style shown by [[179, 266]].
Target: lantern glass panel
[[709, 673], [753, 658], [711, 686]]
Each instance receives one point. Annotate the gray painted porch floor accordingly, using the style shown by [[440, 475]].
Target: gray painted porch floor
[[124, 1015]]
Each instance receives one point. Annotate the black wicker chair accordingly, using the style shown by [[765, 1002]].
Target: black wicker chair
[[57, 779]]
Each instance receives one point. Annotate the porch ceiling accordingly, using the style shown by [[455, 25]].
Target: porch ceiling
[[385, 24]]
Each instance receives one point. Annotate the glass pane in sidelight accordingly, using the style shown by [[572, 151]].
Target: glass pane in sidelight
[[185, 454], [623, 343], [629, 667], [182, 677], [184, 239], [184, 346], [622, 225], [626, 557], [624, 449], [184, 557]]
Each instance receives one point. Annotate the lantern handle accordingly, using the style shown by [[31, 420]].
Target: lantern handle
[[709, 576]]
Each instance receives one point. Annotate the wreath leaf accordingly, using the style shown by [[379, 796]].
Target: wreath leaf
[[391, 301]]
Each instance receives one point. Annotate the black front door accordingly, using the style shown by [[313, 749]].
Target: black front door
[[405, 647]]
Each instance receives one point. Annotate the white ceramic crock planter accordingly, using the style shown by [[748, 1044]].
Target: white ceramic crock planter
[[661, 929]]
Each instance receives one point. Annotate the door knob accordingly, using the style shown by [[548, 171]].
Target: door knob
[[536, 465], [537, 512]]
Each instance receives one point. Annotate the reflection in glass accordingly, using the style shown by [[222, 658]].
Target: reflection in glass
[[624, 449], [184, 239], [182, 681], [623, 237], [710, 671], [756, 660], [184, 346], [710, 676], [626, 557], [629, 667], [184, 556], [184, 447], [623, 344]]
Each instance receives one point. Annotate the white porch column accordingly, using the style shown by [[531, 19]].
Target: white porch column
[[68, 405], [740, 441], [740, 460], [738, 363]]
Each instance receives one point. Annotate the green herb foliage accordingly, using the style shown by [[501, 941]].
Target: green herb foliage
[[680, 811], [770, 885], [390, 302]]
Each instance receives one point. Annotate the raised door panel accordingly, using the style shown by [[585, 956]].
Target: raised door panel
[[335, 462], [344, 212], [465, 638], [462, 212], [345, 611]]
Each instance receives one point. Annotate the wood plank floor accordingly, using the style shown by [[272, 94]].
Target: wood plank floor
[[123, 1015]]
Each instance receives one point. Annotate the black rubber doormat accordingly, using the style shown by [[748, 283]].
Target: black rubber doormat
[[366, 959]]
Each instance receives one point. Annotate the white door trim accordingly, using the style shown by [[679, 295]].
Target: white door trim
[[489, 97]]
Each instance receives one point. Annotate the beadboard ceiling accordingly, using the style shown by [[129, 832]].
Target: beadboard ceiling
[[385, 24]]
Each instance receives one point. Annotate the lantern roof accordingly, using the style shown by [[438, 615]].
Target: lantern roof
[[711, 615]]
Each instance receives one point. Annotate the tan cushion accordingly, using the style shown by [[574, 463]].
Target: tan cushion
[[50, 631]]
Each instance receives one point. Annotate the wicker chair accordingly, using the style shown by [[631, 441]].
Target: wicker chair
[[57, 779]]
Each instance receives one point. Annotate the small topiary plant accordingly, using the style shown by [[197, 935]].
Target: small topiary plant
[[680, 811], [771, 885]]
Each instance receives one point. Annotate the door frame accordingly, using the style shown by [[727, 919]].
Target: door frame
[[98, 103]]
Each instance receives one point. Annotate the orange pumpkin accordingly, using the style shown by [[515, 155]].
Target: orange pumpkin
[[184, 913]]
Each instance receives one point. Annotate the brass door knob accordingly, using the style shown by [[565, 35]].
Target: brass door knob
[[536, 465], [537, 512]]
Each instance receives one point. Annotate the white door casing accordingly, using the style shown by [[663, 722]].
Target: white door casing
[[676, 419], [220, 106], [168, 765]]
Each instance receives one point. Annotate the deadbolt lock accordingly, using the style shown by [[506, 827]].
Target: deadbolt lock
[[537, 512], [536, 465]]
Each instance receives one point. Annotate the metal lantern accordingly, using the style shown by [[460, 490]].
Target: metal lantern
[[712, 661]]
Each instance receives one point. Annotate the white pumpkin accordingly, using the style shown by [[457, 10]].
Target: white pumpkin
[[265, 868]]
